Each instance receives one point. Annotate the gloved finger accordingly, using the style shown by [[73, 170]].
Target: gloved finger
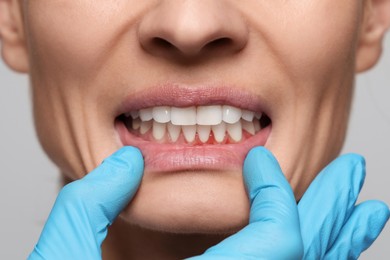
[[273, 231], [85, 208], [112, 185], [328, 203], [363, 227]]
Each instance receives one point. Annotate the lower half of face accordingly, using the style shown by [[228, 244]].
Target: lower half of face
[[195, 99]]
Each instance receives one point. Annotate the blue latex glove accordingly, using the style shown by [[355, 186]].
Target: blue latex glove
[[332, 226], [84, 209], [325, 225]]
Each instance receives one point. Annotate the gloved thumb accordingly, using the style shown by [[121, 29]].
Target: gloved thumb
[[273, 231], [273, 205], [85, 208], [112, 185]]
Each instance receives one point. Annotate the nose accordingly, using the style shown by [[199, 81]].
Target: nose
[[192, 28]]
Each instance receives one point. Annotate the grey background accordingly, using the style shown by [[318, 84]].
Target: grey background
[[29, 181]]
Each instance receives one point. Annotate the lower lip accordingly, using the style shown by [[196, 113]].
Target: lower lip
[[184, 157]]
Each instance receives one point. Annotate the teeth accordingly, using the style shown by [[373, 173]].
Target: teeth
[[202, 115], [256, 124], [136, 124], [224, 122], [219, 132], [159, 130], [146, 114], [204, 132], [162, 114], [235, 131], [258, 115], [145, 126], [174, 132], [134, 114], [189, 132], [231, 114], [209, 115], [248, 115], [183, 116], [248, 126]]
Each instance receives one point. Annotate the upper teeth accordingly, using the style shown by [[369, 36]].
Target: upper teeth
[[191, 120], [201, 115]]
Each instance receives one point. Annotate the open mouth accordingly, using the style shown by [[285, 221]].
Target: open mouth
[[193, 129], [213, 124]]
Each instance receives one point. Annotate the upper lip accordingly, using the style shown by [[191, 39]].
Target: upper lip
[[180, 95]]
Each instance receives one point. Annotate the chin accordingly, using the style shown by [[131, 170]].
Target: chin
[[192, 202]]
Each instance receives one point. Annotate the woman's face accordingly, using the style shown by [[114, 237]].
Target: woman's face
[[93, 63]]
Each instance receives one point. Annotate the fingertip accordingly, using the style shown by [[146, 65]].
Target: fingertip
[[356, 161], [259, 151], [361, 229], [258, 157], [379, 210], [113, 184], [348, 170], [128, 150], [372, 215], [355, 158], [128, 157], [252, 165], [261, 169], [126, 165]]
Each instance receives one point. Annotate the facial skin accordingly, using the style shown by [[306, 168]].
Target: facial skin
[[85, 57]]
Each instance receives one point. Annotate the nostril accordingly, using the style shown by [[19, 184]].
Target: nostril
[[162, 43], [217, 46], [219, 43], [211, 46], [198, 30]]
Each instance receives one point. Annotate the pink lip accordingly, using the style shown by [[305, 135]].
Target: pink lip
[[167, 157], [185, 96]]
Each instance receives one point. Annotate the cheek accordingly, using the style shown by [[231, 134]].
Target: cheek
[[72, 36], [321, 41], [316, 48], [67, 42], [52, 141]]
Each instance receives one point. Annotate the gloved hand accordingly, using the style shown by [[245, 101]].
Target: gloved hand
[[84, 209], [332, 226], [329, 221], [326, 224]]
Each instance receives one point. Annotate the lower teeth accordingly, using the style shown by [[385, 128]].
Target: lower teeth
[[218, 134]]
